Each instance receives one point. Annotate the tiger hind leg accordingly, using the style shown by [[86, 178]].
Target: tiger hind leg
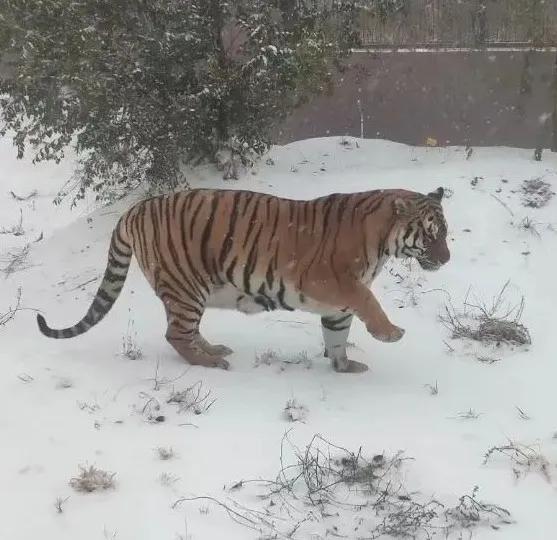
[[183, 334], [190, 351], [335, 335]]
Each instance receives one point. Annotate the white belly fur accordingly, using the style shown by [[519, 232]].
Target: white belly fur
[[229, 297]]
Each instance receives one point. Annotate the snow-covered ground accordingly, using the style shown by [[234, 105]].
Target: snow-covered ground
[[83, 402]]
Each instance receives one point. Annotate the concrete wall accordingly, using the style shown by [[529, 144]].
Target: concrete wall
[[481, 97]]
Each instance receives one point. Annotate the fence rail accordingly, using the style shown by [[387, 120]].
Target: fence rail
[[454, 23]]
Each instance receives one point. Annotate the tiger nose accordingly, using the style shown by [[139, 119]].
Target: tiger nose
[[444, 256]]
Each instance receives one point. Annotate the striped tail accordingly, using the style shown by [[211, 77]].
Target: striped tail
[[119, 257]]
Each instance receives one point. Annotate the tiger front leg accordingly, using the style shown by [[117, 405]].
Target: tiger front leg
[[354, 297], [336, 328], [368, 309]]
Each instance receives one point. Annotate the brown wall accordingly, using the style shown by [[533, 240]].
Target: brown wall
[[482, 98]]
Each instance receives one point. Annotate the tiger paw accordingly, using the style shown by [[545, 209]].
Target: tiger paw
[[393, 334], [218, 350], [349, 366]]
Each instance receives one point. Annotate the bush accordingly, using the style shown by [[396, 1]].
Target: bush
[[139, 87]]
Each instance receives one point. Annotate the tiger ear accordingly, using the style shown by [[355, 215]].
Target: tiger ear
[[403, 206], [437, 194]]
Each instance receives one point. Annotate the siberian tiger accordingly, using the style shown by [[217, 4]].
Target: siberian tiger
[[255, 252]]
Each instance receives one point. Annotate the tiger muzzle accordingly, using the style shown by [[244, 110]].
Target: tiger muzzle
[[436, 256]]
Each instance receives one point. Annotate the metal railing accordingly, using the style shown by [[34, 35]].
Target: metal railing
[[468, 23]]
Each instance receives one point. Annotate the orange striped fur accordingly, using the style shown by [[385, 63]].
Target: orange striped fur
[[257, 252]]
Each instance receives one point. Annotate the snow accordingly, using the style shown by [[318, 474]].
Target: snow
[[79, 402]]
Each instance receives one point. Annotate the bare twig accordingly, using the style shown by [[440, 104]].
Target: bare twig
[[325, 483], [522, 414], [502, 204], [81, 285], [6, 317], [470, 414], [252, 519], [59, 503], [25, 377], [16, 260], [15, 230], [23, 198], [523, 458], [194, 398], [159, 382]]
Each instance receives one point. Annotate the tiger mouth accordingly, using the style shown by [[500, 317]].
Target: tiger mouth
[[428, 265]]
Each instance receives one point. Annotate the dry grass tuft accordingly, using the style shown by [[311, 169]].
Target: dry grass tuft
[[15, 230], [524, 459], [294, 411], [130, 347], [194, 399], [488, 323], [16, 260], [270, 357], [92, 479], [536, 193], [325, 490], [165, 453]]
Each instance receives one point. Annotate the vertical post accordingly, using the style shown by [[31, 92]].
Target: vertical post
[[480, 23], [554, 93]]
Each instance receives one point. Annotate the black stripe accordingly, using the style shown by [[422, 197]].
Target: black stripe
[[380, 249], [251, 261], [336, 325], [103, 295], [229, 237], [194, 216], [408, 232], [304, 211], [275, 224], [121, 254], [328, 206], [96, 309], [174, 257], [270, 302], [140, 223], [372, 208], [115, 263], [207, 230], [180, 317], [173, 204], [291, 211], [269, 275], [251, 223], [280, 297], [340, 212], [119, 236], [191, 267], [168, 295], [190, 198], [230, 270], [313, 208]]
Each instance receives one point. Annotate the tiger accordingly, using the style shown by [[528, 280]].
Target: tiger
[[255, 252]]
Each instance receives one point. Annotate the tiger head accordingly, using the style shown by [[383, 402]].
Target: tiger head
[[420, 230]]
